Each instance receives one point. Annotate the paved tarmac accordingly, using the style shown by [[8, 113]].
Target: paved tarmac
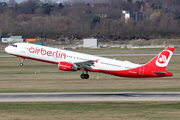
[[89, 97]]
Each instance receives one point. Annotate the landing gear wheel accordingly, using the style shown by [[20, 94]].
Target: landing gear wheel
[[21, 64], [86, 76], [82, 76]]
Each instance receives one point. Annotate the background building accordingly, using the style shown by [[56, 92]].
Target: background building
[[135, 15], [90, 42], [16, 38], [6, 39]]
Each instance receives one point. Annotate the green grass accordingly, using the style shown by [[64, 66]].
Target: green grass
[[37, 76], [90, 110], [94, 90]]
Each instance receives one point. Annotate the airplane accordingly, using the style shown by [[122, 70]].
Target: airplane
[[74, 61]]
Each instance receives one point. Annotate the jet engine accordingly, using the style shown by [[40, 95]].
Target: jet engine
[[67, 66]]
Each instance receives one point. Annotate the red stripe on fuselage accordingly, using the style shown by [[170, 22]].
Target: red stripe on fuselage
[[133, 73]]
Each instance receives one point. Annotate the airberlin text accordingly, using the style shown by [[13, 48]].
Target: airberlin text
[[49, 53]]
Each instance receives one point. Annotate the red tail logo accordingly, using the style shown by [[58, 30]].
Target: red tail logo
[[162, 59]]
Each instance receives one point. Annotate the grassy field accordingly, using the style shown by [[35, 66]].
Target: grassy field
[[43, 77], [91, 111]]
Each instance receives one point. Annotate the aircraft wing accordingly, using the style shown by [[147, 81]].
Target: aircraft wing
[[85, 64]]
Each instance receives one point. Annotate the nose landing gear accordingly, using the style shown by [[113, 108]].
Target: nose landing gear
[[21, 64]]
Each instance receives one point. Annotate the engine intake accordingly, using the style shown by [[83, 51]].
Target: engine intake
[[67, 66]]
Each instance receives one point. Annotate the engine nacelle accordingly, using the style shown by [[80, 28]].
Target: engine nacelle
[[67, 66]]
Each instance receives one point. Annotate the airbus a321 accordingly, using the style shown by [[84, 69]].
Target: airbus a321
[[73, 61]]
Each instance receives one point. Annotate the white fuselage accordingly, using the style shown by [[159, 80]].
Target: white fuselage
[[55, 55]]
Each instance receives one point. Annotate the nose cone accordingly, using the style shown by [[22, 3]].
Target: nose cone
[[7, 49]]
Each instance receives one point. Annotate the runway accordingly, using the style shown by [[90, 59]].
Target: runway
[[90, 97]]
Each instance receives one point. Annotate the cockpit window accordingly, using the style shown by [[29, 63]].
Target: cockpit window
[[14, 45]]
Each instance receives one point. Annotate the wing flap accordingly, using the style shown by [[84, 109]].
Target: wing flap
[[85, 64]]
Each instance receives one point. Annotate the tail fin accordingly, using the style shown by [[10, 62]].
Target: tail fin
[[161, 61]]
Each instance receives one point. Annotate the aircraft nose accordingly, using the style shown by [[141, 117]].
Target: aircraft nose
[[7, 49]]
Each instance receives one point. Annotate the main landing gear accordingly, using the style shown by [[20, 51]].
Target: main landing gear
[[21, 64], [84, 76]]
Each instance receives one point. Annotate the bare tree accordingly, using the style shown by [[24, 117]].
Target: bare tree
[[29, 7], [11, 3], [48, 1]]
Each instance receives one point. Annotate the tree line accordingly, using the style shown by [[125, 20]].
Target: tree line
[[33, 18]]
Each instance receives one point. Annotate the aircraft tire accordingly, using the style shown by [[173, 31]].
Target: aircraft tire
[[86, 76], [21, 64], [82, 76]]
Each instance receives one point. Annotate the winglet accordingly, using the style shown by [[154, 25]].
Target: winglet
[[96, 60]]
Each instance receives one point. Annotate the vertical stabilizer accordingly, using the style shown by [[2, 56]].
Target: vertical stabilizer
[[161, 61]]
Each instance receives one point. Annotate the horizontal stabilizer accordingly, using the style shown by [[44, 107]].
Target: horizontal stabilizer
[[159, 73]]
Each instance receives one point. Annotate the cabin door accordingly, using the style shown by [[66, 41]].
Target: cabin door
[[141, 70]]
